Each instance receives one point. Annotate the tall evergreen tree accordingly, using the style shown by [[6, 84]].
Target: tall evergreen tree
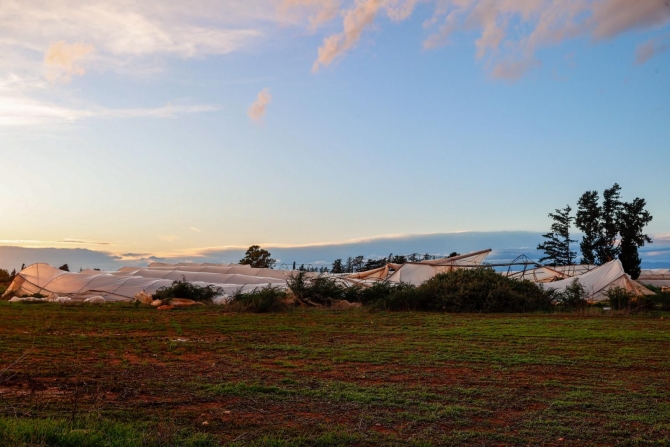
[[337, 267], [632, 220], [557, 246], [588, 221], [606, 246]]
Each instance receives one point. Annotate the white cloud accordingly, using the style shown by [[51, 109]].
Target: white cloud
[[133, 28], [21, 110]]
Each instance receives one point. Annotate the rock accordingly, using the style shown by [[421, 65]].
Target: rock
[[165, 307], [143, 298], [95, 300]]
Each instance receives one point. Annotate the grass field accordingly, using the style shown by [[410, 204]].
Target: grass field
[[119, 375]]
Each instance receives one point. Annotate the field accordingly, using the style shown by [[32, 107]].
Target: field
[[120, 375]]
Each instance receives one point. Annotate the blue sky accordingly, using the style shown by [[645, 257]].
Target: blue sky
[[126, 127]]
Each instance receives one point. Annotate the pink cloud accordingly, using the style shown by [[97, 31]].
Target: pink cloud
[[652, 48], [257, 110], [62, 60], [510, 31]]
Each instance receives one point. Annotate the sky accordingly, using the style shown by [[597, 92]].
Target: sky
[[140, 129]]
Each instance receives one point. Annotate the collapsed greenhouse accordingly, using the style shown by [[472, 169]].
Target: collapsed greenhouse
[[127, 282], [655, 277], [124, 284]]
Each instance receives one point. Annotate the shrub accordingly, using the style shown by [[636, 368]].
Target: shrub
[[573, 297], [184, 289], [619, 297], [268, 299], [661, 300], [317, 290], [642, 303], [325, 290], [469, 290], [381, 294]]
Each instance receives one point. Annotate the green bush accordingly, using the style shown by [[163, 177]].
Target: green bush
[[268, 299], [184, 289], [661, 300], [381, 293], [325, 290], [469, 290], [643, 303], [620, 298], [318, 290], [573, 297]]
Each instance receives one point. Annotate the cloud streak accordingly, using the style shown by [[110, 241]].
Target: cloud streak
[[354, 23], [506, 246], [126, 28], [19, 110], [510, 31], [319, 11], [257, 110]]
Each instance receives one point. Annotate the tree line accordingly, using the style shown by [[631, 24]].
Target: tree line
[[612, 229]]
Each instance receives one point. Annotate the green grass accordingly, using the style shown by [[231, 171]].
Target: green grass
[[118, 375]]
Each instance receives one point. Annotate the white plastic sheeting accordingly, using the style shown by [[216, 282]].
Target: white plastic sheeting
[[550, 273], [601, 279], [209, 268], [419, 273], [655, 277], [474, 258], [123, 285]]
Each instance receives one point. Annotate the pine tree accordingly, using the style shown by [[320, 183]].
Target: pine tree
[[588, 221], [337, 267], [632, 220], [557, 247], [606, 246]]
